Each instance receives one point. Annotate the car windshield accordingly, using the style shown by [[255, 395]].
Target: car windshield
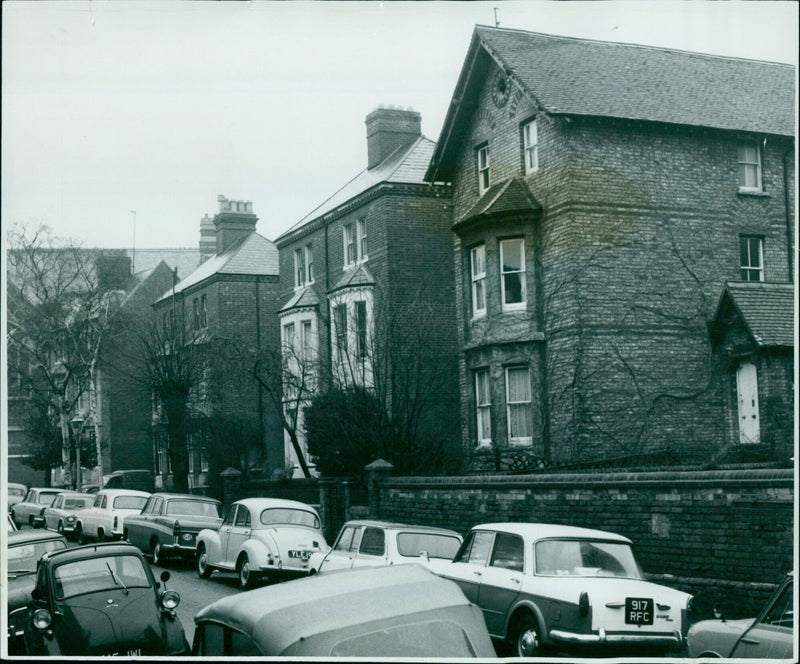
[[129, 502], [77, 503], [434, 544], [46, 498], [103, 573], [13, 491], [275, 516], [193, 508], [585, 558], [22, 558]]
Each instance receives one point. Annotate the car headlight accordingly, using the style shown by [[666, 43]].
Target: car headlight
[[170, 599], [71, 518], [42, 619]]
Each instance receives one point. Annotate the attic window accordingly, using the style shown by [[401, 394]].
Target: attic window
[[749, 159], [483, 169]]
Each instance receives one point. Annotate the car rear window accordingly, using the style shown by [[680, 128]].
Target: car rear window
[[129, 502], [434, 544], [96, 574], [76, 503], [23, 558], [12, 491], [47, 498], [275, 516], [585, 558], [193, 508], [435, 638]]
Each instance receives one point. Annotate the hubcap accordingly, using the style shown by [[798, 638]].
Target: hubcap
[[245, 573], [528, 642], [201, 562]]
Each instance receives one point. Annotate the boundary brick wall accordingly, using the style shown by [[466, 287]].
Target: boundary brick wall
[[725, 536]]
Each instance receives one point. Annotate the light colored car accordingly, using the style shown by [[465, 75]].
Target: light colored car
[[364, 543], [16, 493], [770, 635], [168, 525], [262, 537], [60, 516], [25, 511], [401, 611], [544, 587], [105, 517]]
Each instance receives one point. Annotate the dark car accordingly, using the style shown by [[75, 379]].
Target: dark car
[[25, 548], [169, 523], [391, 611], [100, 599]]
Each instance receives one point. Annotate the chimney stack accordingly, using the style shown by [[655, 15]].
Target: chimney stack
[[234, 220], [389, 128], [208, 237]]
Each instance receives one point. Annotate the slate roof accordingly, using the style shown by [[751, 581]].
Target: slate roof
[[765, 309], [360, 276], [185, 259], [406, 165], [510, 196], [252, 255], [302, 298], [570, 76]]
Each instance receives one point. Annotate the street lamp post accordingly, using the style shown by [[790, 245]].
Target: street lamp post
[[77, 431]]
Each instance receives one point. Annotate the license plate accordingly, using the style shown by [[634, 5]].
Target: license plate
[[638, 611], [303, 555]]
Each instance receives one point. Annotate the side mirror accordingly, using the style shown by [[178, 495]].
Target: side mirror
[[718, 614], [164, 576], [36, 594]]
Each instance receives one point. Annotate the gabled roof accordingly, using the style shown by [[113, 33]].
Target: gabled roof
[[251, 255], [570, 76], [511, 196], [406, 165], [301, 299], [765, 309], [360, 276]]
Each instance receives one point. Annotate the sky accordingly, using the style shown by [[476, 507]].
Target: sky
[[123, 121]]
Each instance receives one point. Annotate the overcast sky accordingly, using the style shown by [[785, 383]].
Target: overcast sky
[[158, 107]]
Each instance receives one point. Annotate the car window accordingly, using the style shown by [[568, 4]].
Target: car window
[[219, 640], [30, 496], [75, 503], [476, 549], [158, 506], [23, 557], [98, 500], [585, 558], [435, 638], [373, 542], [212, 639], [345, 540], [129, 502], [436, 545], [240, 645], [288, 516], [148, 506], [193, 508], [229, 516], [46, 498], [243, 517], [57, 502], [509, 552], [95, 574], [781, 612], [14, 491]]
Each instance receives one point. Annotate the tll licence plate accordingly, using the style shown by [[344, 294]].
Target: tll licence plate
[[638, 611]]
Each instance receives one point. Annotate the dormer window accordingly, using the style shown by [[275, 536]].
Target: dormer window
[[483, 169], [749, 158]]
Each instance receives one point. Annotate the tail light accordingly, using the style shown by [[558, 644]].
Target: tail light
[[583, 604], [116, 522]]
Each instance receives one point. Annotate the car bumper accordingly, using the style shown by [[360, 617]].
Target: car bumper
[[601, 637], [69, 528], [38, 522]]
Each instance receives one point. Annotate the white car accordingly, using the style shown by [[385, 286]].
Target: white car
[[62, 511], [262, 537], [106, 515], [365, 543], [560, 588], [26, 511]]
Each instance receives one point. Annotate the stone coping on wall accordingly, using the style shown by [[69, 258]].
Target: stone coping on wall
[[761, 477], [724, 584]]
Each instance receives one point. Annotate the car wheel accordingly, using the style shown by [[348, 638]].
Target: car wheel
[[30, 520], [158, 553], [203, 568], [247, 577], [79, 534], [526, 639], [101, 535]]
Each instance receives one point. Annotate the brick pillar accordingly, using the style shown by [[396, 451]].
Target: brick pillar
[[231, 485], [376, 471]]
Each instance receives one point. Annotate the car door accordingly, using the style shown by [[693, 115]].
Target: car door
[[372, 549], [225, 533], [239, 532], [771, 634], [501, 580], [51, 513], [470, 562], [344, 549], [135, 525]]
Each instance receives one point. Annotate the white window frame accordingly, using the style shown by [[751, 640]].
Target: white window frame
[[483, 409], [361, 237], [746, 162], [518, 440], [203, 311], [299, 268], [513, 306], [307, 338], [350, 246], [309, 263], [361, 330], [289, 336], [484, 166], [340, 338], [478, 278], [749, 268], [530, 143]]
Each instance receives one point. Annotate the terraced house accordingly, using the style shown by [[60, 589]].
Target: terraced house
[[624, 246]]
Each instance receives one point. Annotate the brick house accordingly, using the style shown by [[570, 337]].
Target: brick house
[[227, 306], [373, 263], [603, 196]]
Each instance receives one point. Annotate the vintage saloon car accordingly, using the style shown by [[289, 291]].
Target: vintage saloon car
[[370, 543], [169, 522], [59, 512], [770, 635], [100, 599], [262, 537], [544, 586], [400, 611], [105, 517], [24, 512], [15, 493]]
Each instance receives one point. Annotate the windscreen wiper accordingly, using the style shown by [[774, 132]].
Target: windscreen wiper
[[116, 578]]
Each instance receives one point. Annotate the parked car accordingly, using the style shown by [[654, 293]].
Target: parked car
[[770, 635], [169, 522], [11, 525], [58, 514], [399, 611], [371, 543], [262, 537], [26, 510], [139, 480], [16, 493], [25, 548], [100, 599], [542, 586], [90, 488], [104, 518]]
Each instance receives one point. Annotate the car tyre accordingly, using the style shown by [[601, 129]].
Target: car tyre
[[158, 553], [526, 638], [80, 536], [30, 521], [203, 568], [60, 528], [247, 577]]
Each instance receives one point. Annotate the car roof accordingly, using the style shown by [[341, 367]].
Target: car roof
[[284, 613], [76, 493], [86, 551], [124, 492], [17, 485], [400, 526], [46, 489], [26, 536], [264, 503], [538, 531], [184, 496]]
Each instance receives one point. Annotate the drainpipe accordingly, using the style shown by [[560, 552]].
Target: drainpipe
[[789, 255], [258, 352]]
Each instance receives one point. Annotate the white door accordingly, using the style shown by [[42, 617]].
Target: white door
[[747, 390]]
